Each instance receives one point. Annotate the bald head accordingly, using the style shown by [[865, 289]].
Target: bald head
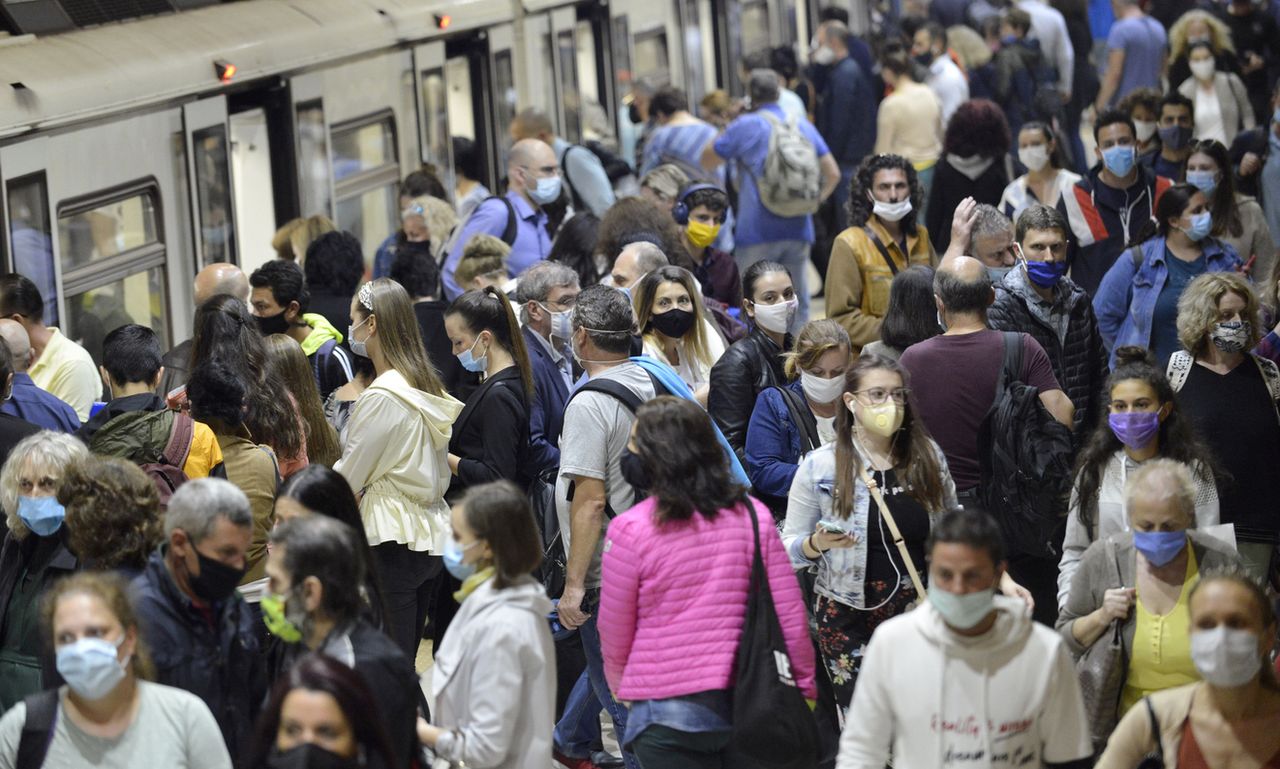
[[221, 278], [962, 286], [635, 261], [531, 159], [15, 338]]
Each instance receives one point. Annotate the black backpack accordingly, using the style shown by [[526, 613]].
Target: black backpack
[[37, 731], [1025, 457]]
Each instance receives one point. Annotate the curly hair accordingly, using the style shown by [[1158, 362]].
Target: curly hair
[[860, 203], [1219, 33], [1148, 98], [632, 217], [1198, 309], [335, 262], [113, 513], [45, 453], [979, 128]]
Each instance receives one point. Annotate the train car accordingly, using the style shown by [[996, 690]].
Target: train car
[[134, 152]]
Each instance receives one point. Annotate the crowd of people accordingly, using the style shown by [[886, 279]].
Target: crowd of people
[[561, 451]]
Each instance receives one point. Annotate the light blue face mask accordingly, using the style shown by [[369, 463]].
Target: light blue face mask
[[996, 274], [42, 515], [472, 363], [546, 191], [1205, 181], [962, 611], [1119, 159], [452, 556], [91, 666], [357, 347], [1201, 226]]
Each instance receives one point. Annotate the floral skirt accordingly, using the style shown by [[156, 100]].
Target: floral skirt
[[843, 632]]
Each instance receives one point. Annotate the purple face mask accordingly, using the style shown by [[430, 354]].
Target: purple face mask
[[1135, 429]]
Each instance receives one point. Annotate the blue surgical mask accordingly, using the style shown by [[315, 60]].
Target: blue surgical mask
[[1045, 274], [359, 348], [91, 666], [453, 554], [1119, 159], [472, 363], [1160, 547], [1201, 226], [996, 274], [42, 515], [1206, 181], [962, 611], [546, 191]]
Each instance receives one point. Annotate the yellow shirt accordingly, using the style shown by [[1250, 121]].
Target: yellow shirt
[[1161, 657], [65, 369]]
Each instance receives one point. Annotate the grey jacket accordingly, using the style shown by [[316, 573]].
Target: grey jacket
[[1094, 578]]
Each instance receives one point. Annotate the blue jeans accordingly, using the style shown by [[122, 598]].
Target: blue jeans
[[792, 254], [578, 730]]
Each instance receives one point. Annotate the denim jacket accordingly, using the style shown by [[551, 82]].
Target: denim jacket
[[841, 571], [1126, 300]]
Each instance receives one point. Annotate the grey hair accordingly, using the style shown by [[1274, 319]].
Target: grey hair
[[536, 283], [46, 450], [762, 86], [1164, 479], [606, 315], [1041, 217], [989, 221], [648, 256], [198, 504]]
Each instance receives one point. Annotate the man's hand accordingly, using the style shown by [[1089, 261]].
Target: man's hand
[[570, 607], [1250, 164]]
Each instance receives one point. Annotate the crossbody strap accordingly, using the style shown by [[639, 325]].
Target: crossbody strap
[[887, 517], [880, 246], [805, 422]]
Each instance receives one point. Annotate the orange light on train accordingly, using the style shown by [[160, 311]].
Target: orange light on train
[[225, 70], [443, 21]]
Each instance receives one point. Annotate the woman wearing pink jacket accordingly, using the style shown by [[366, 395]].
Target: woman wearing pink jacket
[[673, 602]]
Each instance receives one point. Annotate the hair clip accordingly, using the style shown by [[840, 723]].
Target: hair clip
[[366, 296]]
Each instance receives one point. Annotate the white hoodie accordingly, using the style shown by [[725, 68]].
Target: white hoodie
[[1007, 698]]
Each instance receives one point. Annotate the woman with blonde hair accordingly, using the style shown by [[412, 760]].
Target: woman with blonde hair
[[791, 420], [291, 240], [676, 327], [1230, 395], [1197, 26], [286, 357], [395, 457]]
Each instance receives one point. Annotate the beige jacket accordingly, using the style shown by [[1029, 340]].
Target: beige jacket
[[1233, 100]]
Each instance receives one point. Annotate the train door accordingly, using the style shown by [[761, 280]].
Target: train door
[[504, 98], [209, 180], [433, 108], [467, 78], [569, 90], [315, 169], [28, 208]]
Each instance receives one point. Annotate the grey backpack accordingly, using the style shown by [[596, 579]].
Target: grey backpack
[[791, 182]]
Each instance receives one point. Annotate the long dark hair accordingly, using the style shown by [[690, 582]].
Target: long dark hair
[[317, 672], [1222, 204], [324, 491], [1177, 438], [575, 247], [489, 310], [914, 458], [687, 467], [1172, 203], [910, 316], [861, 207]]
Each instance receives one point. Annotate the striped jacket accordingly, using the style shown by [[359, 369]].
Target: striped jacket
[[1104, 220]]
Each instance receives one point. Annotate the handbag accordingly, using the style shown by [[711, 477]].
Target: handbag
[[898, 542], [773, 727], [1101, 670]]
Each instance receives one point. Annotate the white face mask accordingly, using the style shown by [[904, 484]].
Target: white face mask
[[561, 322], [1034, 157], [777, 317], [824, 56], [821, 390], [892, 212], [1145, 128], [1226, 657], [1203, 69]]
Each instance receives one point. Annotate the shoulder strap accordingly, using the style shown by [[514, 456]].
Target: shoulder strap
[[181, 437], [1135, 254], [1158, 752], [887, 516], [508, 234], [802, 417], [610, 387], [879, 244], [37, 732], [1179, 368], [568, 177], [1011, 367], [1271, 376]]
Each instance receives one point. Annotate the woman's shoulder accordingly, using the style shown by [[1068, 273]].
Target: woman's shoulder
[[170, 699]]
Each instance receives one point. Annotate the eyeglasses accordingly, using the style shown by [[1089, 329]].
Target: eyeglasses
[[878, 395]]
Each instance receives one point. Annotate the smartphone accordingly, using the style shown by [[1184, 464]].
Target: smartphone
[[833, 528]]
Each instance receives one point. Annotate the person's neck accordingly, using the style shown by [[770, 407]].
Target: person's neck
[[133, 388], [824, 410], [1044, 175], [1044, 292], [525, 194], [499, 360], [878, 445], [1223, 361], [981, 628], [421, 299], [299, 331], [1176, 156], [1174, 572], [39, 335], [778, 339], [111, 707], [321, 627], [893, 228], [1236, 703], [1182, 247], [380, 364], [965, 323], [1119, 182], [464, 186], [599, 365], [695, 253], [1132, 12], [1150, 451], [180, 580]]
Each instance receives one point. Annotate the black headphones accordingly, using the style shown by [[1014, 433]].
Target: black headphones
[[680, 211]]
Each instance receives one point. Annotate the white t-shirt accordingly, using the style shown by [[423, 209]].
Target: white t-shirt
[[826, 429], [1208, 118]]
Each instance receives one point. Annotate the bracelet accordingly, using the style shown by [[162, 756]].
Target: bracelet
[[812, 546]]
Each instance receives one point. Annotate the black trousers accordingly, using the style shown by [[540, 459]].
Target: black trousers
[[409, 583]]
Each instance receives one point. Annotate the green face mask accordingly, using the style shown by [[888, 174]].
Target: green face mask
[[278, 624]]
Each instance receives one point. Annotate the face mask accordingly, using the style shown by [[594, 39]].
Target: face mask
[[1145, 129], [776, 317], [1175, 137], [216, 580], [1201, 226], [996, 274], [891, 212], [1226, 657], [1160, 547], [701, 235], [924, 59], [358, 347], [1045, 274], [453, 554], [1118, 159], [561, 322], [1203, 69], [824, 56], [91, 666], [819, 389], [1135, 429], [272, 324], [882, 419], [1205, 181], [633, 472], [674, 323], [309, 755], [472, 363], [1034, 157], [275, 615], [1228, 336], [42, 515], [962, 611], [546, 190]]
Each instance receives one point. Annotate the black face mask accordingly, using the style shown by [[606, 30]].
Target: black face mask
[[924, 59], [272, 324], [634, 115], [633, 472], [308, 755], [674, 323], [215, 581]]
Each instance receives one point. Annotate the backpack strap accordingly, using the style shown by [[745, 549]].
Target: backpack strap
[[1011, 367], [1179, 368], [1271, 376], [508, 234], [629, 400], [37, 731], [181, 437], [574, 197], [879, 244], [803, 419]]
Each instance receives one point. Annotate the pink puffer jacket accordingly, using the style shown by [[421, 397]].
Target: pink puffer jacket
[[674, 598]]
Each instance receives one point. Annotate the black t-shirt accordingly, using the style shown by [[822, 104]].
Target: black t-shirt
[[1233, 412], [913, 522]]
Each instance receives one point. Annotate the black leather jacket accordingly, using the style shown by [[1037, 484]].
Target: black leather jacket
[[749, 366]]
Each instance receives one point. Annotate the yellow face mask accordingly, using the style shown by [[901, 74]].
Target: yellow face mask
[[702, 235]]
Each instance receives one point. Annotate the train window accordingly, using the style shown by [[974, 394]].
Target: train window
[[436, 109], [113, 265], [313, 158], [505, 95], [694, 72], [569, 96], [755, 27], [368, 179], [461, 108], [651, 59], [213, 192], [32, 236], [620, 47]]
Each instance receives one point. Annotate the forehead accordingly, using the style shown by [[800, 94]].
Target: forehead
[[262, 294], [34, 468], [671, 289], [879, 377], [889, 176], [1044, 236], [1174, 110], [311, 706], [772, 281], [81, 609], [957, 556], [1222, 596], [1232, 300], [1114, 131], [992, 241]]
